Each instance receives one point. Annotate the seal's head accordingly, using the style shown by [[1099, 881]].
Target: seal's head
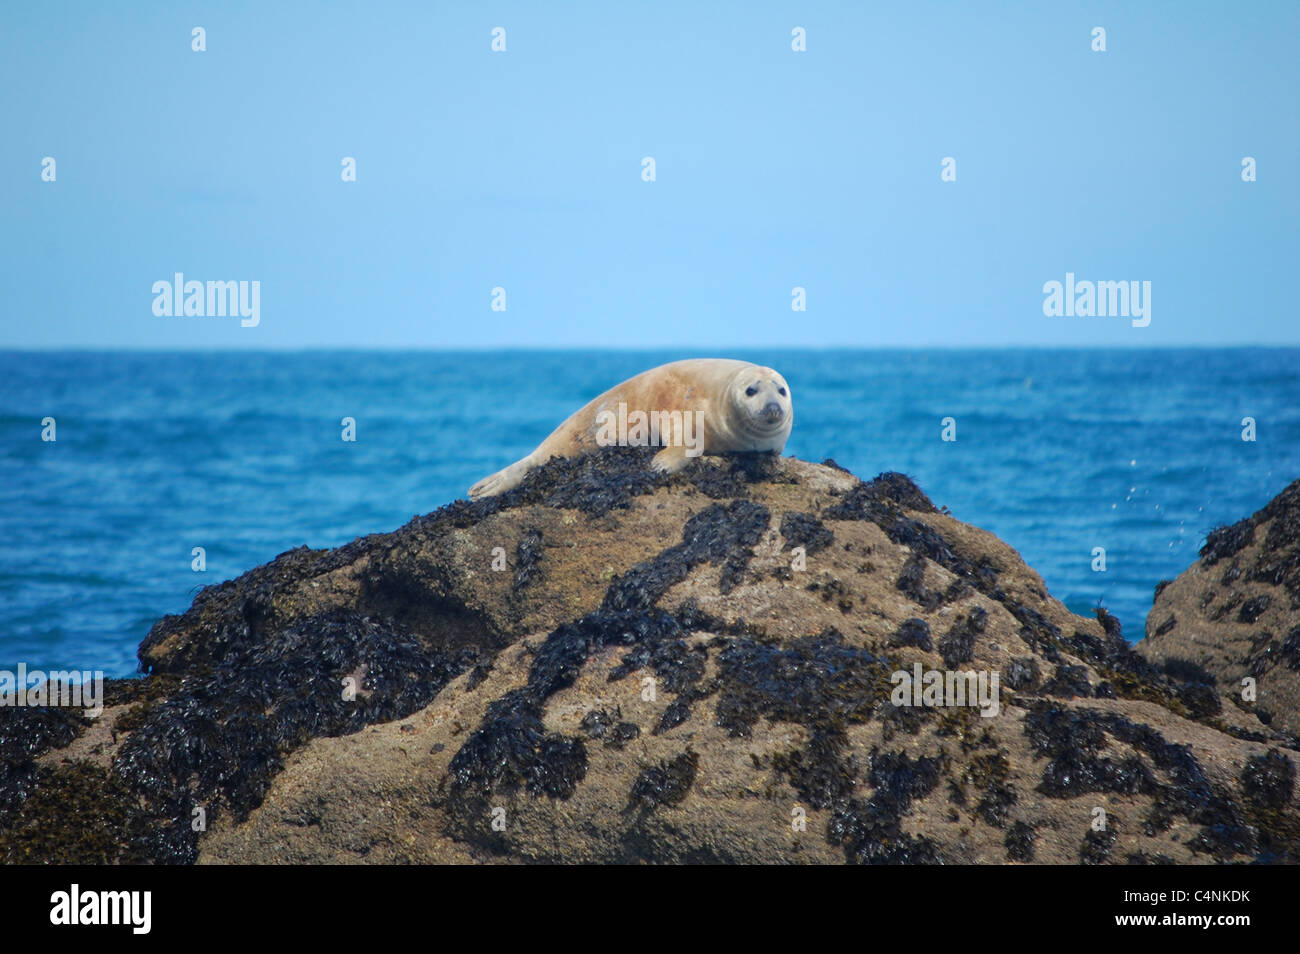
[[762, 408]]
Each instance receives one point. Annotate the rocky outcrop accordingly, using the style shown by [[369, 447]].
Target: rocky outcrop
[[1233, 618], [610, 665]]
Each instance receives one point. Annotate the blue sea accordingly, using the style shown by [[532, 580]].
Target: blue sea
[[1057, 452]]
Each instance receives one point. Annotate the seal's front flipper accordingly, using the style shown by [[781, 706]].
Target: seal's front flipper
[[503, 480], [670, 460]]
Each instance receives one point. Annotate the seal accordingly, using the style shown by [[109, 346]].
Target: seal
[[692, 407]]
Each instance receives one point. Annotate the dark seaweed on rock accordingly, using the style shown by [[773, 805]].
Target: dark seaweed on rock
[[678, 712], [1073, 739], [224, 736], [1069, 682], [899, 779], [913, 632], [596, 723], [528, 554], [823, 772], [815, 680], [730, 476], [678, 665], [911, 583], [232, 614], [883, 500], [958, 644], [1110, 625], [821, 683], [1268, 781], [989, 772], [1128, 674], [83, 812], [512, 750], [717, 535], [901, 489], [78, 811], [1224, 542], [600, 724], [1290, 649], [1184, 670], [1096, 846], [562, 656], [871, 832], [622, 734], [667, 783], [610, 477], [1023, 674], [594, 483], [1042, 635], [236, 616], [1200, 700], [1277, 560], [1020, 842], [1253, 609], [805, 530], [29, 731], [217, 738], [25, 734]]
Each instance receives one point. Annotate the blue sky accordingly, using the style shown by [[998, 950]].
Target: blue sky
[[522, 169]]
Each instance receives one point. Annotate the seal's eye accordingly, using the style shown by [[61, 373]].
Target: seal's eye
[[781, 391], [751, 391]]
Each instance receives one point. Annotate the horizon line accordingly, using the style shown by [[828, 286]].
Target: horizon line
[[499, 349]]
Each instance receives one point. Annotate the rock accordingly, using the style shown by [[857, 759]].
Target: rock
[[1235, 614], [662, 669]]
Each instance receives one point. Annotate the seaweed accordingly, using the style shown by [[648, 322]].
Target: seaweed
[[1023, 674], [716, 535], [805, 530], [815, 679], [1096, 847], [1019, 842], [1253, 609], [1227, 541], [913, 632], [667, 783], [222, 737], [871, 832], [1268, 781], [512, 751], [528, 553], [958, 644], [989, 772], [621, 734], [1068, 682]]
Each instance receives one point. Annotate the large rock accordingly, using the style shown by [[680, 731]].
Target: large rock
[[1235, 613], [685, 668]]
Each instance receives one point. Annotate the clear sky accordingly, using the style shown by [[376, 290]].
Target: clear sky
[[523, 169]]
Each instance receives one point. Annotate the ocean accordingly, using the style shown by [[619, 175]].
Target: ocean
[[1139, 452]]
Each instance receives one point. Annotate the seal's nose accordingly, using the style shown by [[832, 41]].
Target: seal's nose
[[772, 411]]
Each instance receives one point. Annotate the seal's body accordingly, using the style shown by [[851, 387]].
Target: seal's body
[[692, 407]]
